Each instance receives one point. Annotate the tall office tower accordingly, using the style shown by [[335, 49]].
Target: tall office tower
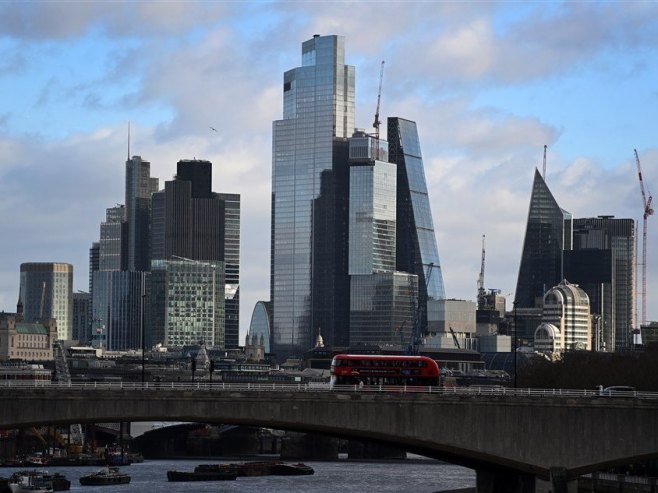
[[191, 223], [382, 301], [46, 291], [417, 250], [187, 303], [113, 244], [548, 233], [308, 278], [188, 219], [232, 265], [94, 265], [118, 309], [81, 314], [139, 187], [602, 263]]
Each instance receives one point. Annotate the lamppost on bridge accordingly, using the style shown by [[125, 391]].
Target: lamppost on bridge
[[144, 296], [515, 302]]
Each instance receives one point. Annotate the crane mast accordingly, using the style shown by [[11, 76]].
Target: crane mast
[[377, 123], [481, 293], [648, 211]]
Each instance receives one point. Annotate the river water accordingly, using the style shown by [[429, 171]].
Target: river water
[[341, 476]]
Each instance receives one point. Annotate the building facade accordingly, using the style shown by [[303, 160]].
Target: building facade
[[566, 322], [139, 187], [46, 291], [27, 341], [417, 250], [81, 317], [308, 279], [548, 233], [232, 264], [261, 323], [603, 264], [187, 303]]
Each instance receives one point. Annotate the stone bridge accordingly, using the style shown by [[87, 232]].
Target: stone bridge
[[519, 439]]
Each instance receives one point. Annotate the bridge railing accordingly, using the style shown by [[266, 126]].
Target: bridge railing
[[484, 390]]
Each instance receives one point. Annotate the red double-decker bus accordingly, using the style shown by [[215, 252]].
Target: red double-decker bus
[[368, 369]]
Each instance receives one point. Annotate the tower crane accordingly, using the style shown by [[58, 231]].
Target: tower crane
[[377, 123], [481, 292], [648, 211], [544, 168]]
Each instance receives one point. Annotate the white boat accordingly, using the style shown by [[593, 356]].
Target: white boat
[[30, 482]]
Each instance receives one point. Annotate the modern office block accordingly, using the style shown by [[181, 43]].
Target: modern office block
[[232, 265], [261, 323], [139, 187], [417, 250], [46, 291], [113, 244], [118, 309], [309, 283], [187, 303], [81, 317], [603, 264], [548, 233]]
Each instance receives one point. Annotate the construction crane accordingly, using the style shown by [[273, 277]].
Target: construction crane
[[377, 123], [481, 291], [544, 169], [648, 211]]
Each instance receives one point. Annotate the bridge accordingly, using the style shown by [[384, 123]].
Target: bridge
[[530, 440]]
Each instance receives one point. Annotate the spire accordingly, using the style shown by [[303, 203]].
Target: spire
[[128, 141]]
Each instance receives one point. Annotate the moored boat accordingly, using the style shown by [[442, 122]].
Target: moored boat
[[30, 482], [107, 476], [226, 474]]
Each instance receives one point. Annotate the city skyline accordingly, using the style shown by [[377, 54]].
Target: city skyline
[[493, 85]]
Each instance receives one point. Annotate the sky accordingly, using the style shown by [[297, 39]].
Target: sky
[[488, 83]]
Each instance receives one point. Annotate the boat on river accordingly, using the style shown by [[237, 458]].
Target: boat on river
[[226, 474], [106, 476], [265, 468], [30, 482]]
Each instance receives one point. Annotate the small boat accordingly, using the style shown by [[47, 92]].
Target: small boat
[[226, 474], [282, 469], [106, 476], [30, 482]]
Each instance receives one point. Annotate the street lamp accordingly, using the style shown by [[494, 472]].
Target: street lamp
[[515, 341], [144, 295]]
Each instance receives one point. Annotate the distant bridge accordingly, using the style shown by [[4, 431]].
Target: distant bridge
[[523, 434]]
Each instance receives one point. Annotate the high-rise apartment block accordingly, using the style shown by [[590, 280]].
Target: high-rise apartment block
[[46, 291]]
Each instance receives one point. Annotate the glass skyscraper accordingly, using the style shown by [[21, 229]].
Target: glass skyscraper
[[417, 250], [46, 291], [548, 233], [308, 279], [232, 264], [603, 264], [139, 187]]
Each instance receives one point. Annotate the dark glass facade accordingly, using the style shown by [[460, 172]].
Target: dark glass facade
[[603, 264], [309, 286], [261, 323], [118, 309], [548, 233], [81, 317], [417, 250], [113, 245], [139, 187]]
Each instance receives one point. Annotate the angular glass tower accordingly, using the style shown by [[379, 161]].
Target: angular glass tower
[[139, 187], [417, 250], [548, 233], [308, 278]]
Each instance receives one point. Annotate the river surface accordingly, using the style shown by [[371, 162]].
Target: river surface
[[341, 476]]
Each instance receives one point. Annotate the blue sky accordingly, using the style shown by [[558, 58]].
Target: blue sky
[[489, 83]]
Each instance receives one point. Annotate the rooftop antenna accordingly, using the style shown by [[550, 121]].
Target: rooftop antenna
[[544, 175]]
